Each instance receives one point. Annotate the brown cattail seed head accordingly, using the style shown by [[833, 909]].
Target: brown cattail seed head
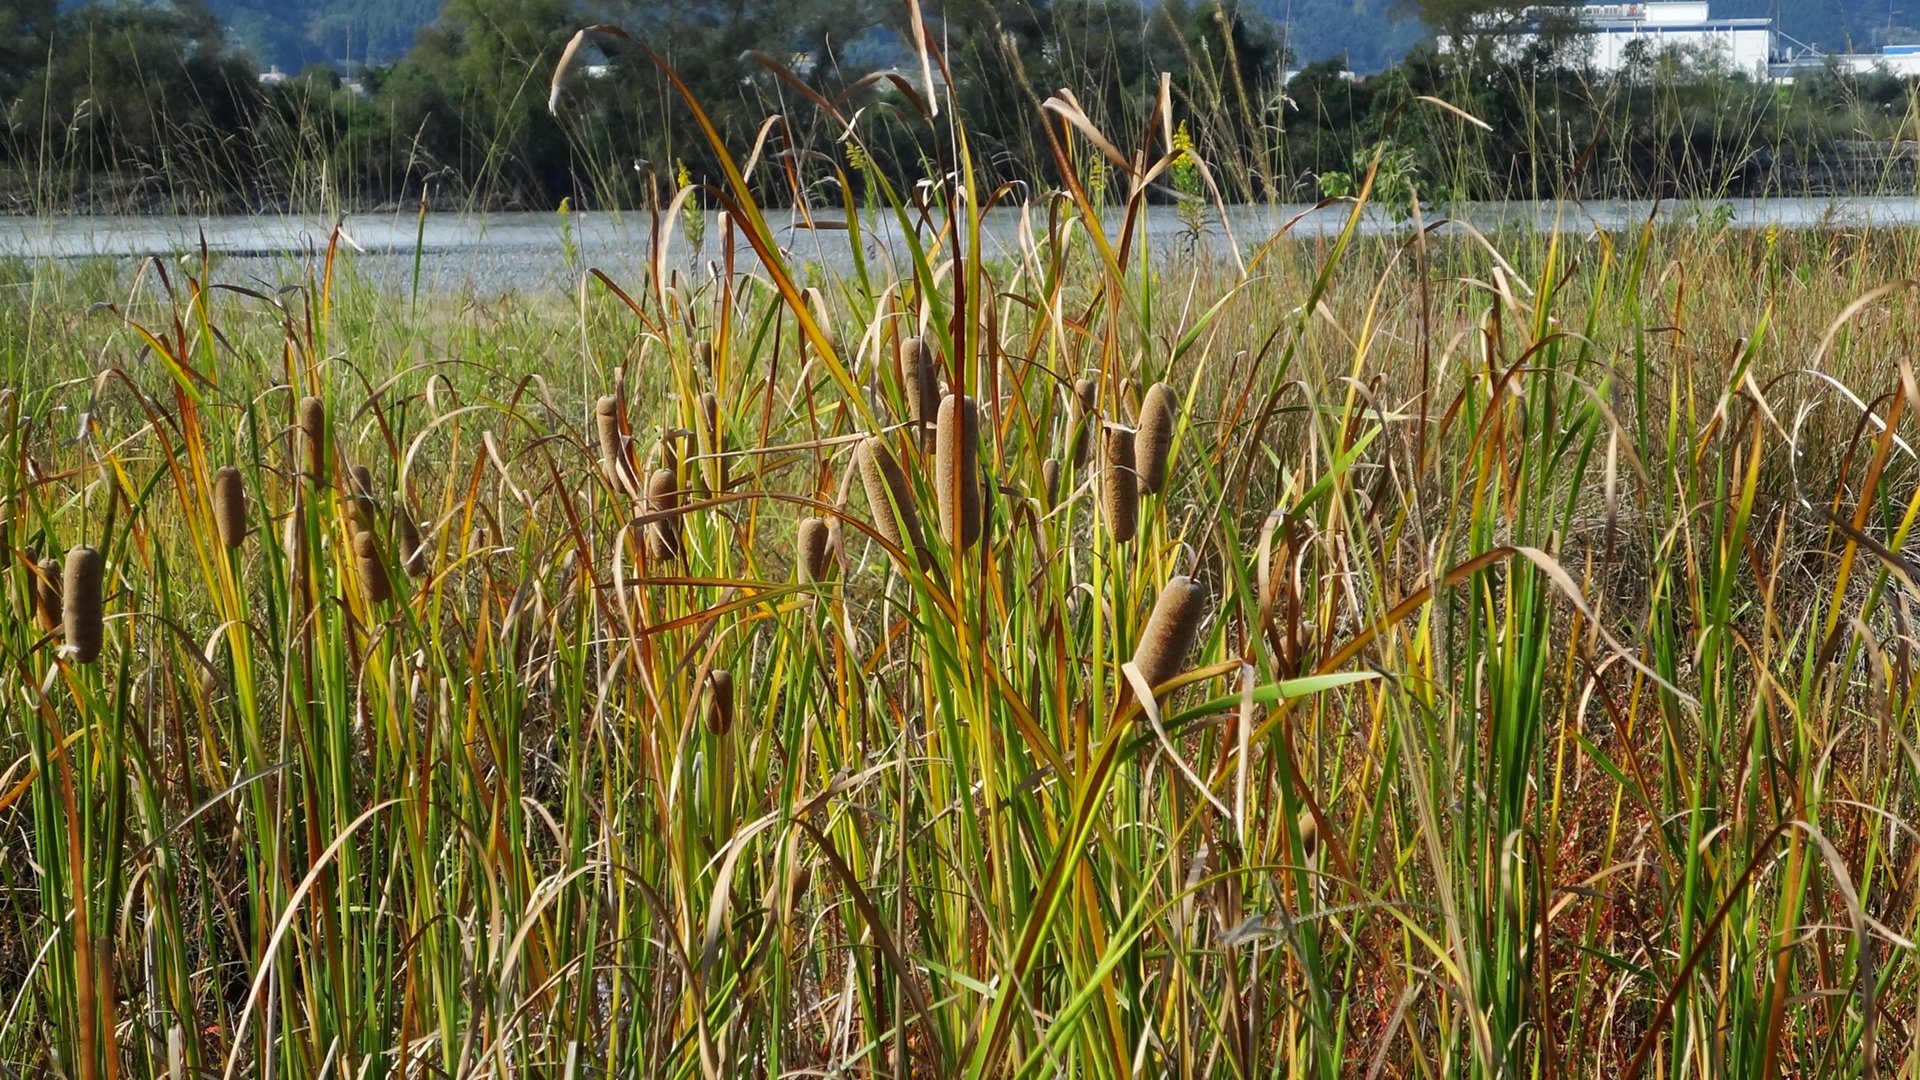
[[81, 603], [373, 572], [1081, 422], [815, 541], [46, 593], [360, 496], [703, 352], [1154, 440], [606, 424], [956, 470], [312, 418], [1050, 480], [1309, 834], [413, 553], [663, 537], [1120, 491], [1170, 631], [709, 421], [230, 506], [920, 380], [720, 701], [892, 506]]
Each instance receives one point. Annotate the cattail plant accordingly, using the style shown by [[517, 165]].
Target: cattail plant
[[814, 541], [667, 454], [373, 572], [887, 495], [46, 593], [360, 497], [1154, 439], [81, 601], [230, 506], [311, 417], [1081, 419], [703, 353], [1170, 631], [719, 701], [293, 541], [956, 468], [1050, 481], [1129, 399], [1119, 489], [920, 379], [413, 552], [708, 417], [606, 424], [663, 536]]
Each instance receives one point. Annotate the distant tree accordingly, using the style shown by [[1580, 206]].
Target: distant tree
[[26, 34], [1474, 30]]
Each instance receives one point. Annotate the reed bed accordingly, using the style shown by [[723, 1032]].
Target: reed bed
[[1507, 670]]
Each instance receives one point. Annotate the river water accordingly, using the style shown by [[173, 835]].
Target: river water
[[491, 254]]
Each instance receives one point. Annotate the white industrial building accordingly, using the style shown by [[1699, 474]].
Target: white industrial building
[[1608, 34], [1902, 61]]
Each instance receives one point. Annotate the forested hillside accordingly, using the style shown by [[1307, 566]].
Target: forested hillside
[[1371, 34]]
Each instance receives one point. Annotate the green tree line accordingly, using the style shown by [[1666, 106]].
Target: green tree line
[[139, 106]]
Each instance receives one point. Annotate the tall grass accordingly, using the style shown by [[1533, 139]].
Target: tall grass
[[1509, 674]]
